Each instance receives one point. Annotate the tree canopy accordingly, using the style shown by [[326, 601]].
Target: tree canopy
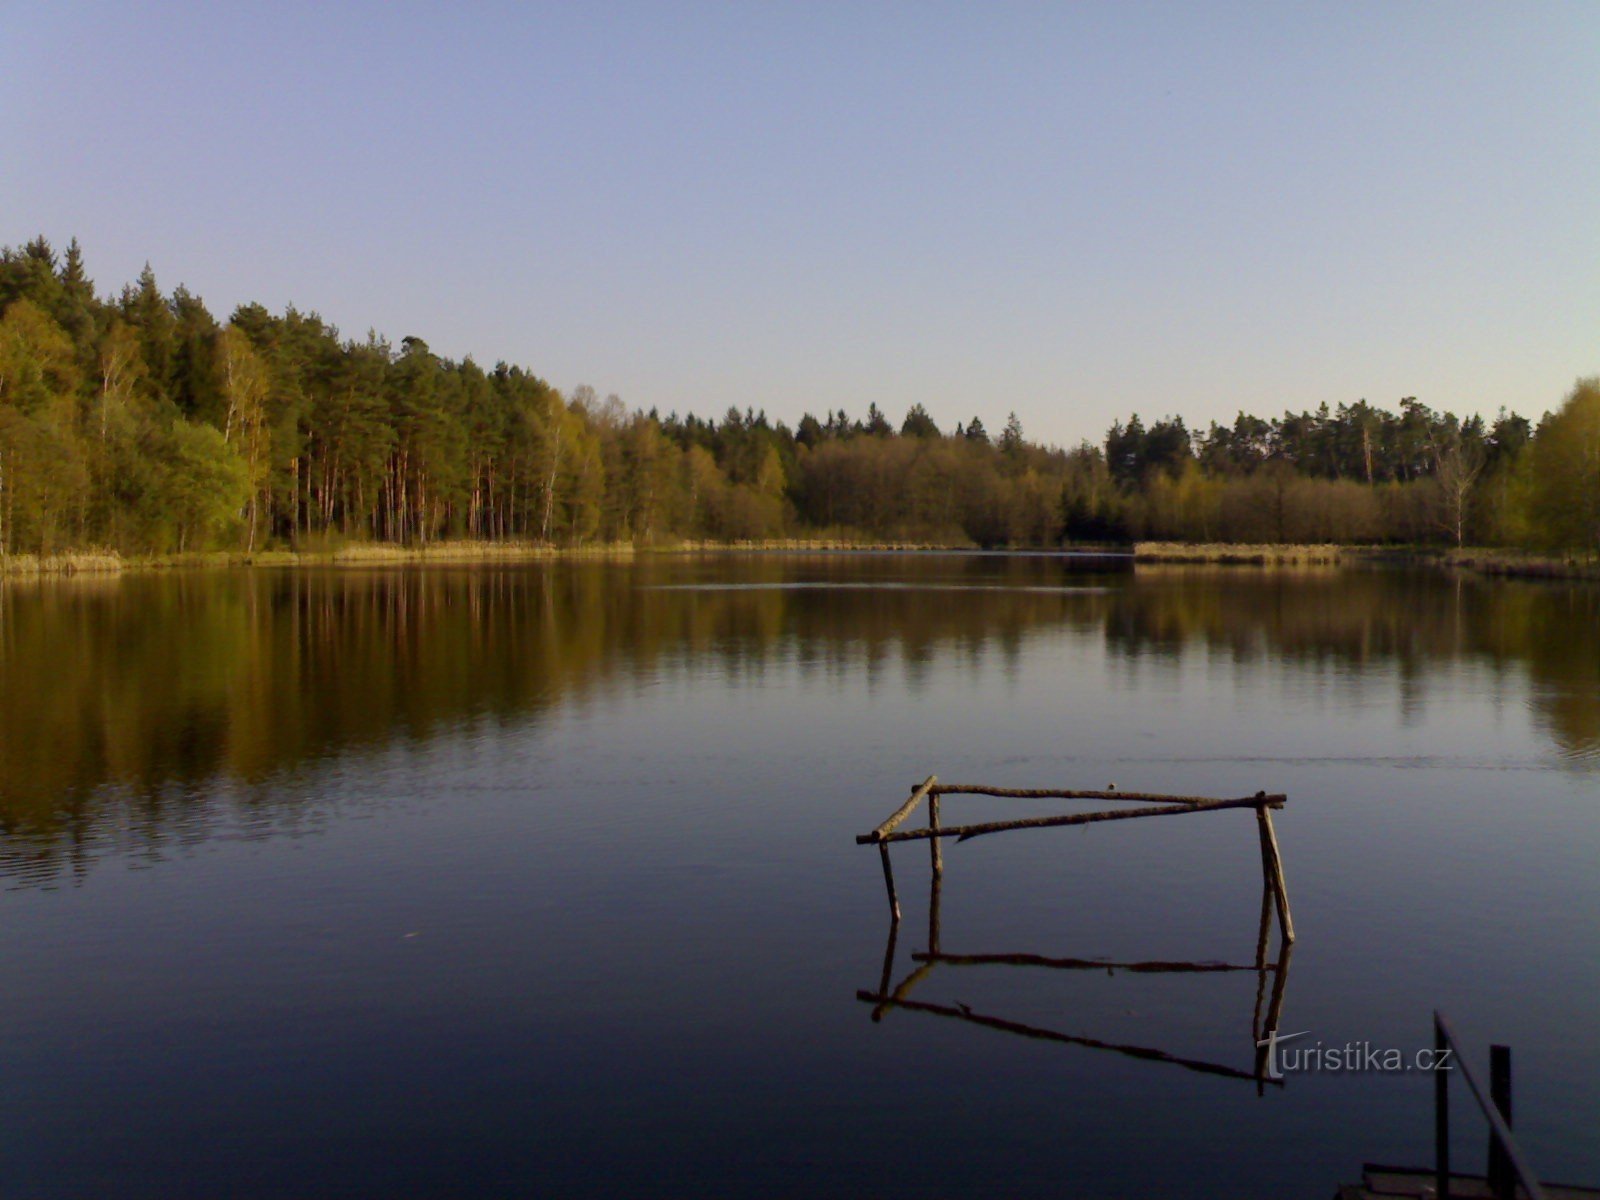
[[140, 422]]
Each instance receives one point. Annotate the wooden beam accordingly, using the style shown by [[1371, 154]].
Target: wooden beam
[[1077, 964], [983, 789], [963, 832], [888, 882], [901, 813]]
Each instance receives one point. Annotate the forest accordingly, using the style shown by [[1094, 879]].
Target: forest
[[140, 423]]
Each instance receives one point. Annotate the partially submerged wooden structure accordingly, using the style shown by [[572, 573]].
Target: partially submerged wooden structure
[[1151, 805], [1274, 900]]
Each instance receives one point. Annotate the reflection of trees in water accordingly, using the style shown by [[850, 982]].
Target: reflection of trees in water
[[125, 700], [1412, 620]]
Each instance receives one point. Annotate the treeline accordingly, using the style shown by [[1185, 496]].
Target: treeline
[[142, 423], [1360, 474]]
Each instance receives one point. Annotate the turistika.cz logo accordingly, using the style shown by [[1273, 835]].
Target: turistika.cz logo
[[1349, 1058]]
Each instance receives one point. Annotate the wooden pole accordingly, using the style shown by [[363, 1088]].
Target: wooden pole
[[933, 843], [980, 789], [963, 832], [933, 909], [901, 813], [1154, 967], [1272, 863], [1502, 1179], [1441, 1114], [888, 882]]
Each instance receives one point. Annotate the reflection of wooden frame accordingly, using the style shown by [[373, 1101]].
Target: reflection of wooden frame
[[1274, 898]]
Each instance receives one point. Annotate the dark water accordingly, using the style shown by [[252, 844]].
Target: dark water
[[542, 881]]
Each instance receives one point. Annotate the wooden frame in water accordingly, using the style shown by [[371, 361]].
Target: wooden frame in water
[[1154, 805], [1266, 1019]]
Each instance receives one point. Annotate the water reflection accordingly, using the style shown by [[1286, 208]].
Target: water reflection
[[1410, 620], [1262, 1024], [149, 707]]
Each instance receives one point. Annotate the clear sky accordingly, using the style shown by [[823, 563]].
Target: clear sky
[[1070, 210]]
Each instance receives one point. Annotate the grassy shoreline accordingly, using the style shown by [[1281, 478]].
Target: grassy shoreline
[[1240, 554], [1507, 563], [100, 562], [1514, 563], [1483, 560]]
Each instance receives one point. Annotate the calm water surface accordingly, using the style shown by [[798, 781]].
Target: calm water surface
[[542, 881]]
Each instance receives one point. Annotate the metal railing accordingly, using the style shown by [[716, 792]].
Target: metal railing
[[1507, 1164]]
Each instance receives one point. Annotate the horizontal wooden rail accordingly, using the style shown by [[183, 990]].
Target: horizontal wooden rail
[[1082, 964], [979, 789], [964, 832]]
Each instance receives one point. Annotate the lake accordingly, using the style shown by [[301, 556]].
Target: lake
[[542, 879]]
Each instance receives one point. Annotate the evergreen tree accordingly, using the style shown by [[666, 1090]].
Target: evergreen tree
[[918, 424]]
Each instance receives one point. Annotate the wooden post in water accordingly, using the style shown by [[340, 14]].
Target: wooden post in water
[[1502, 1178], [888, 882], [1272, 864], [933, 843], [918, 794], [1441, 1114]]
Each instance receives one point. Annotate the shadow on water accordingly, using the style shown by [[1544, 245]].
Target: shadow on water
[[145, 710]]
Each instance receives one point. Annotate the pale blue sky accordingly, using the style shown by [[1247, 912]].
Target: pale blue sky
[[1070, 210]]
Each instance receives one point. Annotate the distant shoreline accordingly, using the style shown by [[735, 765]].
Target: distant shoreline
[[1485, 561], [1505, 563], [444, 553]]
